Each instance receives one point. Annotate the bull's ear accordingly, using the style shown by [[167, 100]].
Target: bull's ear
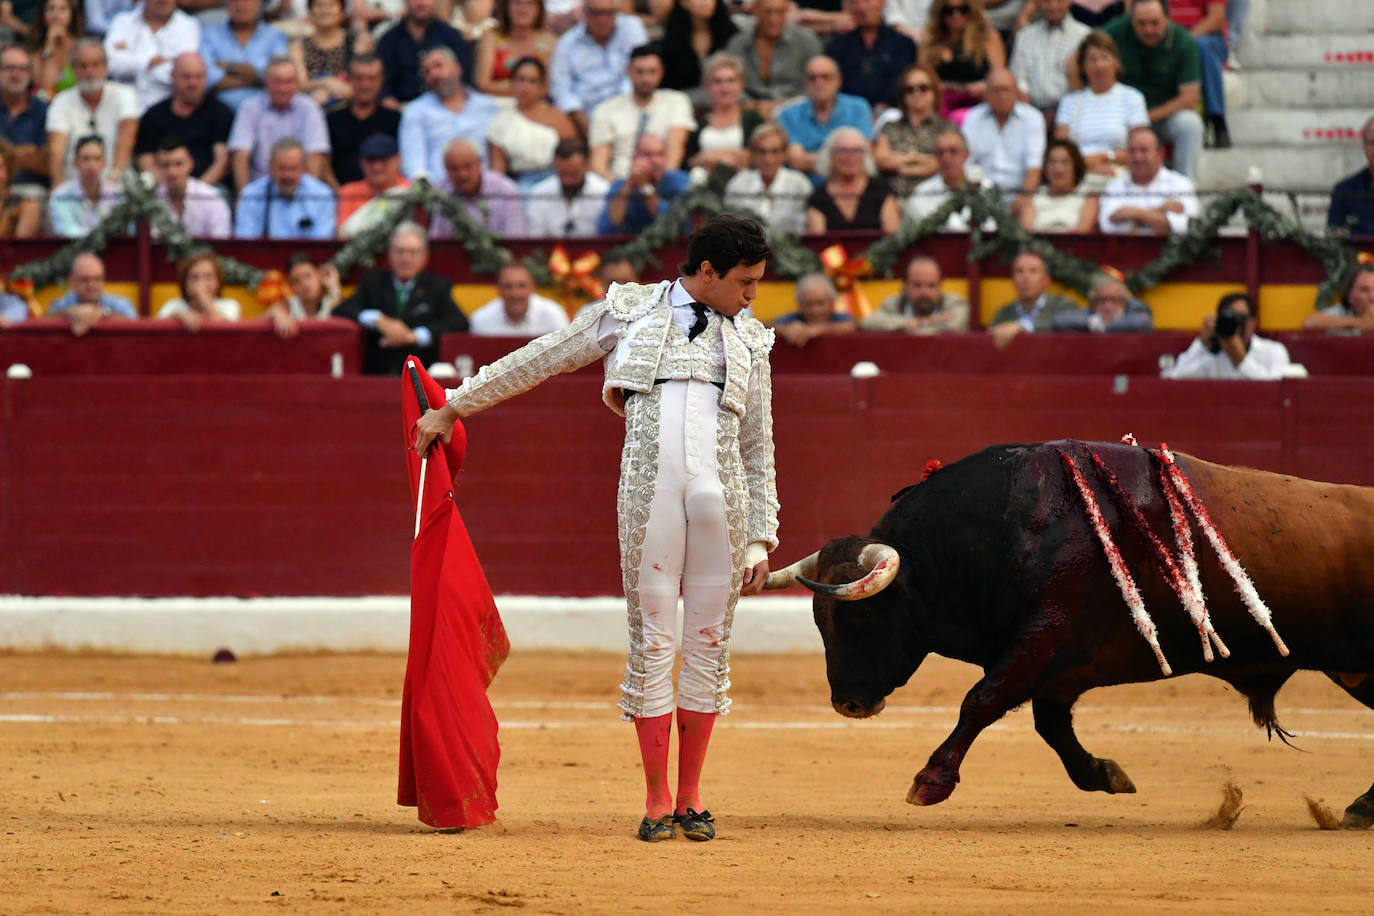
[[880, 563], [788, 575]]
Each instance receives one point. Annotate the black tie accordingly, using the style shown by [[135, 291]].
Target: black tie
[[700, 324]]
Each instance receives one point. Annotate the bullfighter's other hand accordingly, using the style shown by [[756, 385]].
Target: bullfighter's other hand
[[754, 577], [435, 424]]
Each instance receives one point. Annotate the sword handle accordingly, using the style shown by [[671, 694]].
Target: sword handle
[[420, 398]]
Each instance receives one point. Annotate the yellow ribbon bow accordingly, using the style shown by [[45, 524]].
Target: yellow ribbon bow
[[846, 272], [575, 277]]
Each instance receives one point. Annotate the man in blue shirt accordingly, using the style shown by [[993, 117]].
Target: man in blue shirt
[[590, 60], [635, 202], [85, 303], [236, 52], [286, 203], [450, 109], [810, 120], [23, 118], [402, 47], [871, 54], [1352, 200]]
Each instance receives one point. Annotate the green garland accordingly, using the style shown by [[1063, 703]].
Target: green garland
[[791, 259]]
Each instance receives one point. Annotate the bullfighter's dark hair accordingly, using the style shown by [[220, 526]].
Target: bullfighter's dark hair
[[726, 241]]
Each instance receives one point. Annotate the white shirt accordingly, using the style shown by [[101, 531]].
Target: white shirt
[[542, 317], [1167, 185], [1098, 123], [69, 114], [548, 214], [228, 309], [782, 205], [619, 122], [908, 14], [1006, 152], [131, 43], [1040, 55], [930, 195], [1265, 361]]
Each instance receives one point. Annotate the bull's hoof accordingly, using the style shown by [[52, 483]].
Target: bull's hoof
[[932, 786], [1360, 814], [1114, 779]]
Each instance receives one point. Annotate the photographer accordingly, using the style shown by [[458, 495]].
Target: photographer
[[1227, 348]]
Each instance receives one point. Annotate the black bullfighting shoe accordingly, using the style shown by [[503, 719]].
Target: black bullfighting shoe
[[651, 831], [696, 825]]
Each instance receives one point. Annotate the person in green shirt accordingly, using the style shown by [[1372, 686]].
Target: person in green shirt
[[1160, 58]]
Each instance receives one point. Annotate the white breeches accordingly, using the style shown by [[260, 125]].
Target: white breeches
[[688, 549]]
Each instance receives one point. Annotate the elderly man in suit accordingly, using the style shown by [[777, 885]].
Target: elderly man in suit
[[405, 309]]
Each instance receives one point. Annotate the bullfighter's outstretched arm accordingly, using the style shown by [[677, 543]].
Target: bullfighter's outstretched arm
[[589, 338]]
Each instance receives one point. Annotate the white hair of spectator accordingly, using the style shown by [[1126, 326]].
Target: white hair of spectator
[[443, 51], [456, 142], [286, 143], [722, 60], [89, 42], [410, 227], [1104, 282], [769, 129], [815, 279], [823, 156], [279, 61]]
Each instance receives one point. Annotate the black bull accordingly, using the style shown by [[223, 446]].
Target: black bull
[[999, 565]]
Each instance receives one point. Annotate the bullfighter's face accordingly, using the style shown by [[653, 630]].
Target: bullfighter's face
[[732, 292]]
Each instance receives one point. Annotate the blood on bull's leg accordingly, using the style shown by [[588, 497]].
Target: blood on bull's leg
[[1004, 686], [1054, 723]]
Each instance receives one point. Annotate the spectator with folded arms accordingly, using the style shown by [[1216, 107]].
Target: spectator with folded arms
[[85, 303], [905, 147], [815, 316], [1149, 199]]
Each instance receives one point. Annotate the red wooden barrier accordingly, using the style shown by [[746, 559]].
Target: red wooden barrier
[[294, 485], [163, 346]]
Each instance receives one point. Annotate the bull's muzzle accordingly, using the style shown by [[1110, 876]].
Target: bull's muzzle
[[853, 709]]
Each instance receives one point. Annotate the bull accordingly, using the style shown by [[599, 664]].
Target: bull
[[995, 560]]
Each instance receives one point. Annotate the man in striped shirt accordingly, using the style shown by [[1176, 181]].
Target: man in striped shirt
[[1044, 52]]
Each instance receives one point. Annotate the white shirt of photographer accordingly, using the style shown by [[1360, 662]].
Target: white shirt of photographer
[[1266, 361]]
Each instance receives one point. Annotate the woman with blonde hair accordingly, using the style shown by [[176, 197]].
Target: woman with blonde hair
[[961, 46], [725, 128], [905, 147], [201, 278], [853, 196]]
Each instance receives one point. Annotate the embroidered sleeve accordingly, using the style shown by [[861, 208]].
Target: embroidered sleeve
[[579, 344], [756, 452]]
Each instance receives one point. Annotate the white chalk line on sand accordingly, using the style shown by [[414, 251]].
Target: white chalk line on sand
[[732, 723], [593, 705]]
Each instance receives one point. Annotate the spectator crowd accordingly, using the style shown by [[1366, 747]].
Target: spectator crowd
[[591, 117]]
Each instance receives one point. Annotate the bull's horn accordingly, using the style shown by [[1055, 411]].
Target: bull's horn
[[881, 563], [787, 576]]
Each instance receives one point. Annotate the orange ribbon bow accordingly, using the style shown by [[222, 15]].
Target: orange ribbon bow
[[575, 277], [846, 272], [272, 288], [23, 288]]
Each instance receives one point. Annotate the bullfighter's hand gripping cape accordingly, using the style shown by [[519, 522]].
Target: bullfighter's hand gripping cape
[[457, 642]]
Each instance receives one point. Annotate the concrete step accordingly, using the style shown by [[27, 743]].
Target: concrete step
[[1320, 17], [1282, 168], [1296, 126], [1336, 51], [1352, 87]]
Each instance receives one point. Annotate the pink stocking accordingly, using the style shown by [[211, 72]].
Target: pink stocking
[[694, 734], [653, 750]]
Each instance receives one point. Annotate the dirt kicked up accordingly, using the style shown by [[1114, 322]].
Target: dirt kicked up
[[153, 785]]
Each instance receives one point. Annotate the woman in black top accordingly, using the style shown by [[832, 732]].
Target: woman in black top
[[853, 196], [693, 31]]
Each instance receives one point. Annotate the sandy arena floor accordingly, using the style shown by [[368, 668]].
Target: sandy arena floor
[[156, 785]]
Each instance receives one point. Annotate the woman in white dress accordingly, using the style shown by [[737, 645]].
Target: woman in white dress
[[1099, 117], [721, 138], [522, 139], [202, 280], [1062, 204], [769, 188]]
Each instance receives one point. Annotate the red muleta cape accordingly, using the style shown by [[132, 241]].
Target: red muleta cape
[[457, 642]]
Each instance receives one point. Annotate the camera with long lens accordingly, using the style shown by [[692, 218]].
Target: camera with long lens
[[1229, 323]]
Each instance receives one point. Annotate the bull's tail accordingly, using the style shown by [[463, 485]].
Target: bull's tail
[[1260, 692], [1262, 711]]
